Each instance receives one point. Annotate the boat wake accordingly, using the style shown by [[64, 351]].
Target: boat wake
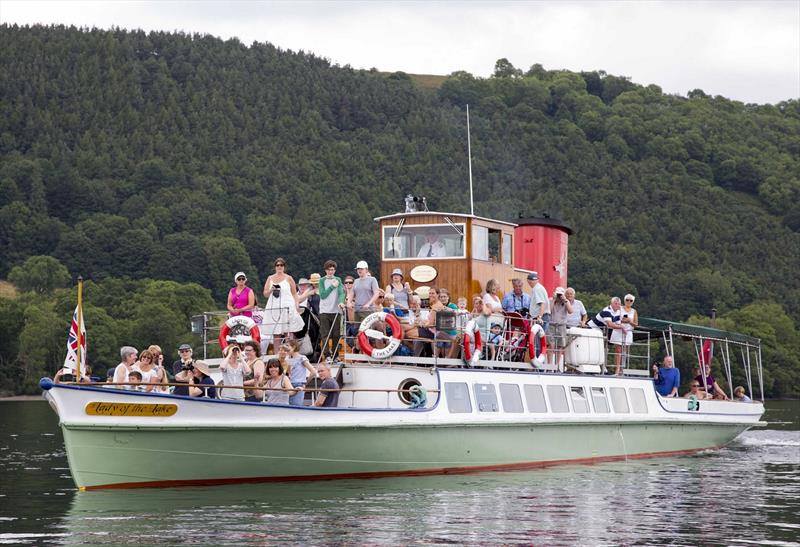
[[770, 441]]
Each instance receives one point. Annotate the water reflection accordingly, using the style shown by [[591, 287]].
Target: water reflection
[[746, 493]]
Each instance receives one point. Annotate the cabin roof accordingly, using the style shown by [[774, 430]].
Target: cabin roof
[[424, 213], [697, 331]]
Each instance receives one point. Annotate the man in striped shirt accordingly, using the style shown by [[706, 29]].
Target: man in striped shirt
[[609, 317]]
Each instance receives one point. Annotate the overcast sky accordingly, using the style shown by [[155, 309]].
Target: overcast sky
[[749, 51]]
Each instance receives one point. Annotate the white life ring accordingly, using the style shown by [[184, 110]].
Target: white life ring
[[472, 343], [537, 332], [238, 326], [365, 332]]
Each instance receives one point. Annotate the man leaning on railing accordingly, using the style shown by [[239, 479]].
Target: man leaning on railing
[[329, 394]]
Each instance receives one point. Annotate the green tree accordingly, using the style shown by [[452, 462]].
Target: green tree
[[40, 274]]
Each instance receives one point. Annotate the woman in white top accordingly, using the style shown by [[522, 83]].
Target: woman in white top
[[128, 354], [490, 298], [282, 311], [629, 318], [233, 368], [150, 373]]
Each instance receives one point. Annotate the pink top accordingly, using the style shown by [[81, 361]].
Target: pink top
[[240, 300]]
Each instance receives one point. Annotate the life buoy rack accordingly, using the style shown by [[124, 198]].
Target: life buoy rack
[[238, 325], [472, 343], [537, 332], [365, 331]]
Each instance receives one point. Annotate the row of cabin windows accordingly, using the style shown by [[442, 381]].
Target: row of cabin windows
[[555, 398]]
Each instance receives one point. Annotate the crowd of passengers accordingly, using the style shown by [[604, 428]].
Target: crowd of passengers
[[304, 319]]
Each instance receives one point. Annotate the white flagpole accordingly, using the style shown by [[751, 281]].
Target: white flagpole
[[469, 153]]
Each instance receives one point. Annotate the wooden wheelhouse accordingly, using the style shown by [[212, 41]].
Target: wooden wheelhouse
[[456, 251]]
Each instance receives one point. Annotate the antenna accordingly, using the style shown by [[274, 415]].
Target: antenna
[[469, 153]]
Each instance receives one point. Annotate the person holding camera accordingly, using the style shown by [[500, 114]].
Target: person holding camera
[[184, 364], [516, 300], [560, 308], [233, 368], [198, 376], [282, 310]]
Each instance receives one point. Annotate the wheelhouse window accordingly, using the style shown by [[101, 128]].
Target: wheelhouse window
[[457, 397], [490, 244], [506, 252], [431, 241]]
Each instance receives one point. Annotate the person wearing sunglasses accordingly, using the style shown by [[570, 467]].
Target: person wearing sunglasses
[[349, 281], [696, 391], [183, 364], [241, 298], [282, 311]]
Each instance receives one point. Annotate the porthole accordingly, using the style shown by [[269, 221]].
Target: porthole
[[405, 385]]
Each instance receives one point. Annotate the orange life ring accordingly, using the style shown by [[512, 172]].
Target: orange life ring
[[394, 339], [238, 326], [472, 343], [537, 331]]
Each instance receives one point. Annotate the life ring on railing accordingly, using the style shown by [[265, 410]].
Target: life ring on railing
[[537, 332], [238, 326], [472, 343], [365, 332]]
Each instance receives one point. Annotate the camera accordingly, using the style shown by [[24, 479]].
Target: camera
[[187, 367], [276, 291]]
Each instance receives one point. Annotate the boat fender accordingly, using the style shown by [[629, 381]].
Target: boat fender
[[236, 326], [419, 397], [537, 331], [365, 332], [472, 343]]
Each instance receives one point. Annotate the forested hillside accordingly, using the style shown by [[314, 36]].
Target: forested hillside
[[186, 158]]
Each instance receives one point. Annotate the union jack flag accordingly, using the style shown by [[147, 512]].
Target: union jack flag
[[72, 343]]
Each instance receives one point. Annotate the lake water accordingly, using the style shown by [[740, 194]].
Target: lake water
[[747, 493]]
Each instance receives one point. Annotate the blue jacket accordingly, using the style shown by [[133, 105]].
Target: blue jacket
[[668, 378]]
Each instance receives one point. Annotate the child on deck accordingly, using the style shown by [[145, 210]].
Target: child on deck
[[135, 377], [495, 339]]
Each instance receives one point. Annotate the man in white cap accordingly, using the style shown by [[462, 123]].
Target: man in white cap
[[365, 292]]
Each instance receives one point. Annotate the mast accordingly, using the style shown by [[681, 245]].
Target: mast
[[469, 153]]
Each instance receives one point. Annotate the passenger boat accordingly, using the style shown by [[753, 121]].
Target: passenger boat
[[403, 415]]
